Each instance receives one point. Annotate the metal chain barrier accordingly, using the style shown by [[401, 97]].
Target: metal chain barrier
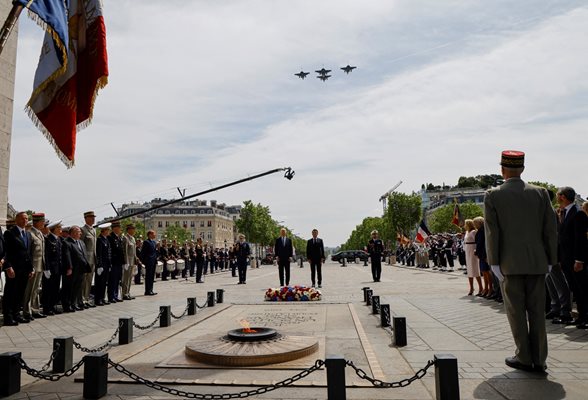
[[151, 325], [202, 306], [402, 383], [240, 395], [100, 348], [49, 377], [179, 316], [51, 357]]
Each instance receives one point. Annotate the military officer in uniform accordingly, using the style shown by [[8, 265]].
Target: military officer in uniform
[[30, 305], [117, 262], [54, 264], [130, 257], [89, 239], [375, 250], [103, 263], [521, 244]]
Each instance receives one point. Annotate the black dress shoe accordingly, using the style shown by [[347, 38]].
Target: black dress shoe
[[99, 303], [562, 320], [10, 322], [22, 320], [39, 315], [513, 362], [551, 315], [126, 297], [48, 313], [540, 369], [583, 325]]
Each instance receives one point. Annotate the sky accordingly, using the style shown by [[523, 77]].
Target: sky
[[203, 93]]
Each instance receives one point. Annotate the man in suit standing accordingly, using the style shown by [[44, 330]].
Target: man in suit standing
[[149, 260], [572, 251], [521, 245], [80, 267], [117, 262], [130, 257], [243, 251], [54, 264], [284, 251], [30, 304], [17, 267], [375, 250], [89, 239], [315, 253]]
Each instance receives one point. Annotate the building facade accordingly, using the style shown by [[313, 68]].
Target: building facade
[[7, 74], [212, 221]]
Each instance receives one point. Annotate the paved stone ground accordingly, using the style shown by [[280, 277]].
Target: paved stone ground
[[440, 319]]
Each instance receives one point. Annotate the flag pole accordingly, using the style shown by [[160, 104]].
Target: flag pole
[[9, 24]]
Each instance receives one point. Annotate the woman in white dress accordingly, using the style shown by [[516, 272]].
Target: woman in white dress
[[472, 261]]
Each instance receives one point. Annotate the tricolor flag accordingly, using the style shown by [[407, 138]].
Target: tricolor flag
[[457, 217], [62, 105], [422, 233]]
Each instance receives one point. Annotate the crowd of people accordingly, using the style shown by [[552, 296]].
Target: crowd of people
[[52, 269]]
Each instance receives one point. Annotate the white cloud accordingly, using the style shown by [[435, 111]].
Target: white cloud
[[204, 92]]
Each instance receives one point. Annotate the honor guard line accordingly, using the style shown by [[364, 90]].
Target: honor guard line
[[289, 174]]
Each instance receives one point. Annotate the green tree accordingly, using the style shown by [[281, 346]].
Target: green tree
[[361, 234], [178, 233], [257, 224], [402, 215], [549, 186], [440, 219], [140, 232], [467, 182]]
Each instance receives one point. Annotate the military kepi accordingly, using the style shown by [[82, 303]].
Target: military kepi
[[38, 217], [89, 214], [512, 159]]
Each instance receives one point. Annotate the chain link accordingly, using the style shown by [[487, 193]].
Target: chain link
[[240, 395], [202, 306], [381, 384], [180, 316], [49, 377], [151, 325], [100, 348], [45, 367]]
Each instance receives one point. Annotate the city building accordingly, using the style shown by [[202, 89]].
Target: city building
[[212, 221], [433, 199]]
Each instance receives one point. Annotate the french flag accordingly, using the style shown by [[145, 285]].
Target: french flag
[[64, 105], [423, 232]]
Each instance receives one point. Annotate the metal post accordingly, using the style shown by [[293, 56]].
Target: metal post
[[9, 373], [220, 295], [375, 304], [9, 24], [210, 299], [385, 315], [301, 263], [192, 306], [63, 359], [165, 317], [399, 327], [335, 378], [364, 292], [125, 332], [365, 262], [446, 377], [95, 375], [344, 262], [368, 299]]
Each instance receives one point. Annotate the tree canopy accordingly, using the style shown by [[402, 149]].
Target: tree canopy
[[440, 220]]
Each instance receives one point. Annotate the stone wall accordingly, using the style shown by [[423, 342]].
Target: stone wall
[[7, 74]]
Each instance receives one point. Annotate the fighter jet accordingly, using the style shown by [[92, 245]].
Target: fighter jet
[[302, 74], [324, 77], [323, 71], [348, 68]]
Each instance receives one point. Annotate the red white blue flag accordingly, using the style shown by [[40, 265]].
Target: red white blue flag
[[423, 232], [62, 104]]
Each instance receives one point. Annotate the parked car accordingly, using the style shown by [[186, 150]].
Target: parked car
[[350, 256]]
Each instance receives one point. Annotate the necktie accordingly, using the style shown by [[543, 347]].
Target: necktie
[[314, 240], [24, 238], [284, 241]]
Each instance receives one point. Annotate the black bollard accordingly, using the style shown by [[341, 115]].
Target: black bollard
[[365, 262], [210, 299], [446, 377], [344, 264], [335, 378], [365, 292], [165, 317], [375, 304], [301, 263], [9, 373], [385, 315], [192, 306], [63, 359], [399, 327], [95, 375], [368, 299], [125, 332], [220, 295]]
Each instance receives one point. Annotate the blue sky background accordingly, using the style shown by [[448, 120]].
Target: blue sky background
[[202, 93]]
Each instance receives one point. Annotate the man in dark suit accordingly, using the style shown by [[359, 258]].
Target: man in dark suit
[[572, 251], [243, 251], [54, 266], [375, 249], [149, 259], [284, 251], [521, 244], [17, 267], [79, 265], [315, 253], [103, 264]]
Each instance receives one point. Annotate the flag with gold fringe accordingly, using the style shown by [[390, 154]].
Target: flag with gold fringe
[[457, 218], [64, 104]]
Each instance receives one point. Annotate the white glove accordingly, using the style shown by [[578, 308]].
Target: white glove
[[99, 271], [126, 267], [496, 271], [47, 274]]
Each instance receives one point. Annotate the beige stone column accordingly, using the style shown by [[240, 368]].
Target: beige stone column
[[7, 74]]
